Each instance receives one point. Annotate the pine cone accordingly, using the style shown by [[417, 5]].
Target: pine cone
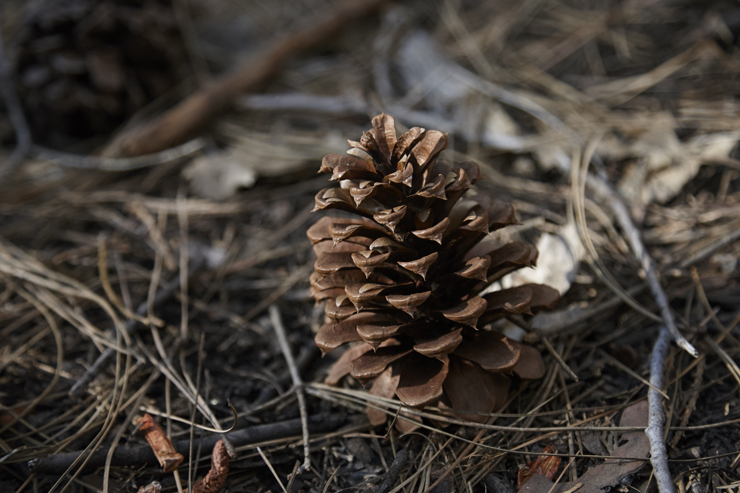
[[84, 66], [403, 280]]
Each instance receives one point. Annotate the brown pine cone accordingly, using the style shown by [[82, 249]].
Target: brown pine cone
[[84, 66], [403, 280]]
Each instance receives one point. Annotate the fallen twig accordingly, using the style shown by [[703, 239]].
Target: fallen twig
[[654, 431], [633, 237], [143, 455], [566, 320], [393, 471], [162, 156], [578, 178], [277, 323], [606, 193], [186, 119]]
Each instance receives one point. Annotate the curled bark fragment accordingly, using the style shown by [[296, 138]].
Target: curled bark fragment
[[384, 132], [473, 389], [166, 454], [391, 217], [383, 386], [440, 345], [405, 141], [332, 335], [371, 364], [216, 477], [341, 367], [408, 302]]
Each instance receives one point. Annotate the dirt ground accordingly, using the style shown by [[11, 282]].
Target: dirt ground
[[157, 175]]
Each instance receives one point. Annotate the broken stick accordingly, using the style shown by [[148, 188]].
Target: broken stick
[[186, 119]]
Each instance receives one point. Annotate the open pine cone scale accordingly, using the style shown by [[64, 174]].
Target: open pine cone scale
[[403, 279]]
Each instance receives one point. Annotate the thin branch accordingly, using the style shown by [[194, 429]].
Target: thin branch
[[559, 359], [393, 472], [190, 116], [633, 237], [143, 455], [67, 160], [277, 323], [578, 179], [654, 431]]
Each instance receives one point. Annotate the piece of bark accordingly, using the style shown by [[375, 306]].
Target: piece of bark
[[393, 472], [185, 120], [162, 447], [216, 477]]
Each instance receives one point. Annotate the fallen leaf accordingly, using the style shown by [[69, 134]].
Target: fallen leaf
[[557, 263], [658, 164], [612, 471], [251, 155], [153, 487], [218, 176], [544, 465]]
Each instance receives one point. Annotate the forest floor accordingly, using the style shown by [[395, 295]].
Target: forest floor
[[161, 284]]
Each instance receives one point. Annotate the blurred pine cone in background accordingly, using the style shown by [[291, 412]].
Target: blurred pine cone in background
[[403, 280], [84, 66]]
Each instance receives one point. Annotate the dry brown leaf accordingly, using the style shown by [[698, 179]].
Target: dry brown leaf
[[544, 465], [613, 471], [659, 164]]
